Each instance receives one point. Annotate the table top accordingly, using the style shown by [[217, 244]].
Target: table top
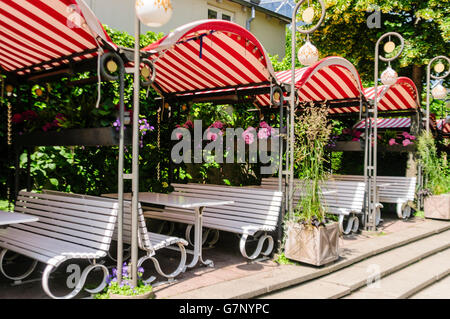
[[173, 200], [8, 218]]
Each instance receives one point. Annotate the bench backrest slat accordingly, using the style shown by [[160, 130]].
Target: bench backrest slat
[[86, 222], [254, 206]]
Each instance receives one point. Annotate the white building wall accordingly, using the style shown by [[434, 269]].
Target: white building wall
[[119, 14]]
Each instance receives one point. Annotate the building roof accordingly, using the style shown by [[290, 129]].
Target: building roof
[[259, 8]]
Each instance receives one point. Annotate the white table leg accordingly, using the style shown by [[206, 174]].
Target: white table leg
[[198, 241]]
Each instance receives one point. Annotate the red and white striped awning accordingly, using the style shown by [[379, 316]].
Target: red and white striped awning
[[39, 35], [330, 79], [400, 96], [443, 126], [209, 55], [384, 123]]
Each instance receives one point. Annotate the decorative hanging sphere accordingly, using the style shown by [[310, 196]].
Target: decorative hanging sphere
[[154, 13], [389, 76], [439, 92], [308, 54]]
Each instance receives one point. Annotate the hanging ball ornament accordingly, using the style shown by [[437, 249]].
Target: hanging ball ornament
[[389, 76], [154, 13], [308, 54], [439, 92]]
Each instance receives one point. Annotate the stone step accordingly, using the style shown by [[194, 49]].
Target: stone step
[[409, 280], [346, 280], [438, 290]]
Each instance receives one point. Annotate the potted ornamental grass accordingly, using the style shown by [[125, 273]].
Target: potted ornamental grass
[[125, 290], [311, 238], [436, 172]]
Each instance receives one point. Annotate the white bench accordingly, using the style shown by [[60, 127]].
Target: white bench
[[255, 212], [68, 228], [398, 190], [147, 241], [345, 199]]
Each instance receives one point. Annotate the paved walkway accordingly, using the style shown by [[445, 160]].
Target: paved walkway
[[234, 277]]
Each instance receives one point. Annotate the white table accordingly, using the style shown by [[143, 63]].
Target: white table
[[180, 201], [8, 218]]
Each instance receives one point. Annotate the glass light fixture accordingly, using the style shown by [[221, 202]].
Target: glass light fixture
[[308, 54], [9, 90], [439, 92], [389, 76], [154, 13]]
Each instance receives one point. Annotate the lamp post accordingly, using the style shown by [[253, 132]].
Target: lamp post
[[153, 13], [438, 92], [307, 55], [388, 78]]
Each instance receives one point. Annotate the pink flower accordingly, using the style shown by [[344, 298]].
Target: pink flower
[[412, 137], [357, 134], [179, 135], [17, 118], [264, 133], [407, 142], [212, 136], [264, 124], [392, 142], [218, 125], [248, 135], [188, 124], [355, 139]]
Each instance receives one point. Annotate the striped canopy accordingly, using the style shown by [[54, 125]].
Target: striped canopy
[[443, 126], [209, 56], [384, 123], [40, 35], [330, 79]]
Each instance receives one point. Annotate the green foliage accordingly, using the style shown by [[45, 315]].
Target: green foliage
[[436, 168]]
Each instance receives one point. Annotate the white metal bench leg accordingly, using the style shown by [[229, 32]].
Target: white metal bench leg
[[352, 224], [80, 284], [259, 247], [181, 266], [17, 279], [205, 236], [403, 210]]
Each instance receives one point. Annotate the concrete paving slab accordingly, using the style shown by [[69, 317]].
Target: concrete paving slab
[[410, 280], [311, 290], [438, 290], [287, 275]]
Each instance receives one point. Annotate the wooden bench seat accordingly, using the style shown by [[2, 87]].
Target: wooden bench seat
[[255, 212], [345, 199], [398, 190], [68, 228]]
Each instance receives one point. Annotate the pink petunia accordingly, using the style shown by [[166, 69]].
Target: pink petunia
[[264, 124], [355, 139], [218, 125], [179, 135], [212, 136], [392, 142], [264, 133], [188, 124], [357, 134], [248, 135], [406, 142]]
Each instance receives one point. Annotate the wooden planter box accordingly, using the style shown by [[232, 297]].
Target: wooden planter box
[[312, 245], [103, 136], [437, 207]]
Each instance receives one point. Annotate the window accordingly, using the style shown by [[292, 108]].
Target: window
[[217, 13]]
